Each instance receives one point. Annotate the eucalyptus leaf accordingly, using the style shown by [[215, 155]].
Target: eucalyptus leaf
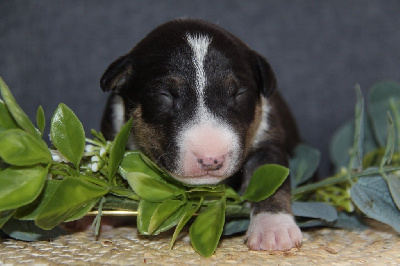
[[394, 188], [133, 162], [118, 148], [379, 104], [22, 149], [70, 196], [16, 112], [318, 210], [349, 221], [28, 231], [5, 216], [150, 189], [31, 210], [6, 120], [20, 186], [146, 210], [235, 226], [67, 134], [304, 163], [206, 230], [265, 181], [342, 141], [372, 196], [40, 119], [387, 156]]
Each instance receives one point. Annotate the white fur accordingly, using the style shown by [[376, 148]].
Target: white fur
[[264, 125], [199, 44], [118, 113], [273, 231], [188, 139]]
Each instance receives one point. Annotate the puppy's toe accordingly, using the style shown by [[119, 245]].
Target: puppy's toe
[[273, 232]]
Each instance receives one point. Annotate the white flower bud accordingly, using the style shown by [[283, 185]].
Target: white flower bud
[[56, 158], [89, 148], [102, 152], [95, 167], [95, 158]]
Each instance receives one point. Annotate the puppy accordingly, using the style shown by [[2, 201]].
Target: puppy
[[205, 109]]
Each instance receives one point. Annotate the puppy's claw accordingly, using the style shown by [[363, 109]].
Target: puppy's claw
[[273, 232]]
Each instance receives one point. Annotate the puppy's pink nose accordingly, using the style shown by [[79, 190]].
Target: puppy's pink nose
[[211, 163]]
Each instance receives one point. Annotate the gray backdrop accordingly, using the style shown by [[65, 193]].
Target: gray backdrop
[[56, 51]]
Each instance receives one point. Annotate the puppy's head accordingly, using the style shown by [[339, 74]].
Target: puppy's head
[[197, 95]]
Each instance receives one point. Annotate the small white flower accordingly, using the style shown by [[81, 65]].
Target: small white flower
[[89, 148], [95, 158], [102, 152], [95, 167], [58, 157]]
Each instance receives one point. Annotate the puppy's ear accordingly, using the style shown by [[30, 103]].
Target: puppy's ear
[[265, 76], [117, 73]]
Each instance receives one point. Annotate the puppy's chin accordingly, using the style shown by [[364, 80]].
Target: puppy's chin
[[205, 179]]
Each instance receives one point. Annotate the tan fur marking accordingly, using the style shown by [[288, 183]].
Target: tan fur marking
[[146, 137], [252, 130]]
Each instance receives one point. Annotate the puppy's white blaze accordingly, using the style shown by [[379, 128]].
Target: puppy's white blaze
[[199, 44], [264, 125], [118, 116], [118, 113]]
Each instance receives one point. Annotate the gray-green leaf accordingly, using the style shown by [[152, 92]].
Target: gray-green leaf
[[67, 134], [304, 163], [394, 187], [371, 195]]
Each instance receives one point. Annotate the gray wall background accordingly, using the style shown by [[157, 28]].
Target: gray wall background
[[56, 51]]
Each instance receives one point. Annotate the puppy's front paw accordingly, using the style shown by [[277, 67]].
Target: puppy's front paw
[[268, 231]]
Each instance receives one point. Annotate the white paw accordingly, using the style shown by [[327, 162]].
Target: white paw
[[269, 231]]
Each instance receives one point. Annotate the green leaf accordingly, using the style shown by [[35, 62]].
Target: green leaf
[[70, 196], [145, 212], [16, 112], [316, 210], [150, 189], [20, 186], [164, 211], [83, 211], [133, 162], [304, 163], [28, 231], [67, 134], [31, 210], [187, 213], [5, 216], [371, 195], [6, 120], [21, 149], [379, 104], [206, 230], [118, 148], [265, 181], [40, 119], [394, 188]]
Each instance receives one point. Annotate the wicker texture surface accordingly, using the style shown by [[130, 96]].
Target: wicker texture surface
[[125, 246]]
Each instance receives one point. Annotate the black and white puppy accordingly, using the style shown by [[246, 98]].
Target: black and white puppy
[[205, 109]]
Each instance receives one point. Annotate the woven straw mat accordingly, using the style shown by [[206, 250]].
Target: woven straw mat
[[124, 246]]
